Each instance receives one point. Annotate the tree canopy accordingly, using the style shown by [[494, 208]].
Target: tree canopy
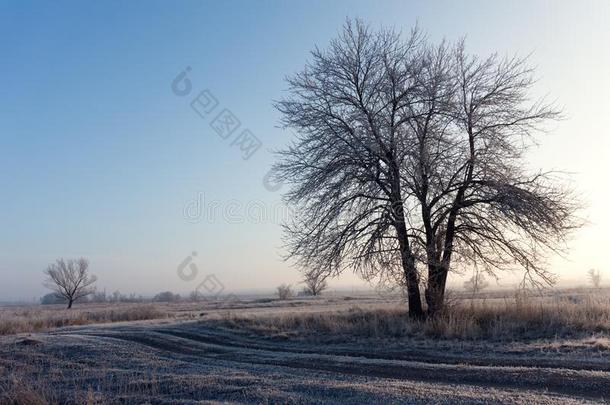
[[410, 160]]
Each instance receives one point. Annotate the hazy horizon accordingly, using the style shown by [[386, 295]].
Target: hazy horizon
[[101, 157]]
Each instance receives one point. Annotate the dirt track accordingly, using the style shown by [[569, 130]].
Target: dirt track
[[189, 361]]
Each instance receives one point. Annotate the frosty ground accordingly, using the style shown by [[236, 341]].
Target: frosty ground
[[299, 351]]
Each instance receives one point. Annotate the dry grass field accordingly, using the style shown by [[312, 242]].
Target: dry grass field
[[497, 348], [42, 318]]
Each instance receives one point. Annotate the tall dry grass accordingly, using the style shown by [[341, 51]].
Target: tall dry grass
[[36, 318], [23, 391], [20, 387], [520, 318]]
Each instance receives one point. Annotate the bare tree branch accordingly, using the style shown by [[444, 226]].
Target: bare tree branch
[[409, 161]]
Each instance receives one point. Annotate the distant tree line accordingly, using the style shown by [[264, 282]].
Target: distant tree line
[[115, 297]]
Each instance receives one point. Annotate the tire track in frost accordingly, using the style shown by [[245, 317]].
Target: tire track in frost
[[207, 343]]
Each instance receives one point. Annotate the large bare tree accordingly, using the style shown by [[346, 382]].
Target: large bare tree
[[70, 279], [409, 160]]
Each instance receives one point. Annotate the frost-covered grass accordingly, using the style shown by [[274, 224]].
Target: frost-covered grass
[[495, 349], [42, 318], [510, 319], [499, 315]]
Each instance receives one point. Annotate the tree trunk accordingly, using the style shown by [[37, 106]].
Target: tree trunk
[[414, 297], [437, 274], [70, 301], [435, 291], [408, 265], [437, 277]]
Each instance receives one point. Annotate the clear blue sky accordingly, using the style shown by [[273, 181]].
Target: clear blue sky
[[98, 157]]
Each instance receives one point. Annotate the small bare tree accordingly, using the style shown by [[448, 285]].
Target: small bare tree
[[285, 292], [475, 284], [70, 279], [315, 282], [595, 277], [195, 296]]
